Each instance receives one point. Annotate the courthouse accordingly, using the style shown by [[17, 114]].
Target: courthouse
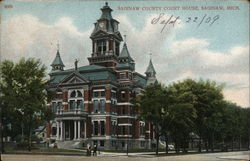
[[92, 103]]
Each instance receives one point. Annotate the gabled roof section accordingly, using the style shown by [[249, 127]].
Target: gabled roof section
[[75, 77], [150, 68], [57, 60]]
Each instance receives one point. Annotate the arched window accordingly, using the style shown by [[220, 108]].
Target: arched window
[[73, 94], [79, 94], [76, 93]]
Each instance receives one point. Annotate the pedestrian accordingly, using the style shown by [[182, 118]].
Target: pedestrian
[[95, 150], [89, 149]]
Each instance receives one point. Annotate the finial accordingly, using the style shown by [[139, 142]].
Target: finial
[[106, 3], [57, 45], [125, 38], [150, 55]]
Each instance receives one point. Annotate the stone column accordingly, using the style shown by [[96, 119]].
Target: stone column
[[74, 130], [107, 47], [61, 125], [79, 128], [57, 130], [85, 129]]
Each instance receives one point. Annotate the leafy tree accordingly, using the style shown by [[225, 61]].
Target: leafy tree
[[23, 94], [150, 105]]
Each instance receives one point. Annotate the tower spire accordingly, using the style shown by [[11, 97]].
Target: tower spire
[[57, 63]]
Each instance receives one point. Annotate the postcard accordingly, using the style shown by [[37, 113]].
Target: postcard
[[99, 53]]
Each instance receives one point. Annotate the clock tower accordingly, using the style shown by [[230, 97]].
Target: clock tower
[[105, 40]]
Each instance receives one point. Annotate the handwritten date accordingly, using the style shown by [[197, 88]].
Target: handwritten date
[[165, 20]]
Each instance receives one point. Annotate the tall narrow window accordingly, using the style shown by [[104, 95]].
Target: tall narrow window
[[96, 106], [59, 105], [95, 127], [54, 107], [102, 93], [101, 46], [72, 104], [117, 48], [102, 106], [102, 128]]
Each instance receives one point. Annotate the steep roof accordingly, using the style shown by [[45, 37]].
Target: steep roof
[[125, 52], [90, 72], [150, 68], [57, 60]]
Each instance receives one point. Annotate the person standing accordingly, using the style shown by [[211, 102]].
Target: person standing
[[95, 150]]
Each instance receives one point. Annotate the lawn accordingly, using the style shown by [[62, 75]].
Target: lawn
[[42, 150]]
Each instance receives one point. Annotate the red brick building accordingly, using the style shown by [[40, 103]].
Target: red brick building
[[93, 102]]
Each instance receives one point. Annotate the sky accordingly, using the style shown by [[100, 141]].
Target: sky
[[217, 49]]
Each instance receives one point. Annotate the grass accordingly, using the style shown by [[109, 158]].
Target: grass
[[42, 150]]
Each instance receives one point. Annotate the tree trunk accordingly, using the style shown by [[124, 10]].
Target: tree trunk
[[199, 145], [240, 143], [233, 144], [157, 141], [29, 147], [166, 140], [212, 142], [206, 145]]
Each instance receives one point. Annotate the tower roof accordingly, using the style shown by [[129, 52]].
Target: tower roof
[[150, 68], [57, 60], [106, 12], [125, 52]]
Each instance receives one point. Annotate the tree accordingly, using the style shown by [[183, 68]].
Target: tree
[[182, 112], [150, 105], [23, 94]]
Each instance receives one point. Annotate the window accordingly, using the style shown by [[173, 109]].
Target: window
[[123, 130], [122, 75], [102, 128], [123, 110], [73, 94], [123, 95], [96, 103], [72, 104], [142, 128], [54, 107], [130, 76], [101, 46], [79, 94], [95, 128], [117, 49], [102, 143], [76, 93], [102, 106], [113, 95], [53, 130], [103, 93], [123, 144], [95, 94], [59, 104], [80, 105]]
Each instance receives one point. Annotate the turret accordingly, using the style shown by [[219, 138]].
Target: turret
[[57, 64], [151, 74]]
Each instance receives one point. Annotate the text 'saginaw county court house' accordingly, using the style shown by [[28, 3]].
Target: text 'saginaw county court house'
[[92, 102]]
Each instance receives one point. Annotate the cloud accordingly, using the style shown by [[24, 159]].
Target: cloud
[[26, 35]]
